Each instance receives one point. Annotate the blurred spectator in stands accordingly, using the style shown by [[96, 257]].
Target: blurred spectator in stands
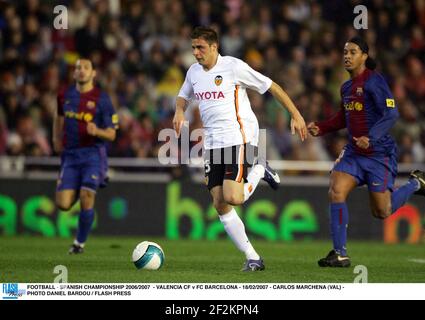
[[281, 135], [78, 13], [11, 110], [14, 145], [147, 136], [3, 133], [232, 42], [90, 37], [415, 79], [129, 137], [144, 49], [34, 139]]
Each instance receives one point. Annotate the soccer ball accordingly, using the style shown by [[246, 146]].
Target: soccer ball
[[148, 255]]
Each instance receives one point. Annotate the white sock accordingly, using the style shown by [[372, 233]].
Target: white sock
[[254, 178], [236, 231], [78, 244]]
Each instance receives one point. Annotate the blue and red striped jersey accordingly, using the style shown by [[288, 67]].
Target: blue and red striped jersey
[[80, 108], [367, 109]]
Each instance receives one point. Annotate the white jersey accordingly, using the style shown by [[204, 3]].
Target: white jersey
[[223, 102]]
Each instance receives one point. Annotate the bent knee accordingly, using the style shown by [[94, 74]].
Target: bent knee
[[86, 195], [63, 205], [234, 199], [221, 206], [337, 195], [87, 199], [381, 213]]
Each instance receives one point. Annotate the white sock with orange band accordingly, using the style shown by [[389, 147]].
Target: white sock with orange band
[[253, 178], [236, 230]]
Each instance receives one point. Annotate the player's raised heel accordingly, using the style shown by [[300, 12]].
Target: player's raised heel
[[334, 259], [270, 176], [253, 265], [75, 249], [420, 176]]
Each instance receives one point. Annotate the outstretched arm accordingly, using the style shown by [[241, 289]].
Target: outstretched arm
[[334, 123], [179, 114], [297, 121]]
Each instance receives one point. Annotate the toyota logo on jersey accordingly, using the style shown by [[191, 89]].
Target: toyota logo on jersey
[[209, 95]]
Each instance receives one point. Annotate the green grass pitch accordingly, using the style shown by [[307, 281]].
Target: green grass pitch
[[107, 260]]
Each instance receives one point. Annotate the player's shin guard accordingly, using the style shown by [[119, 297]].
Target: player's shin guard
[[85, 222], [339, 225], [254, 178], [400, 196]]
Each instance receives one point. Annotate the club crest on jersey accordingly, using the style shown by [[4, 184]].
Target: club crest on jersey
[[359, 91], [91, 104], [218, 80]]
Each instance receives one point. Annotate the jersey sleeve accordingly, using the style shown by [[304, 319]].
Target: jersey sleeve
[[384, 101], [60, 99], [334, 123], [109, 116], [250, 78], [186, 91]]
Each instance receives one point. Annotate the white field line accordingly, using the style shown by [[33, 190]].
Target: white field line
[[417, 260]]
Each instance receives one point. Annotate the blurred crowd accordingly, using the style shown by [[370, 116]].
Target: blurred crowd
[[143, 49]]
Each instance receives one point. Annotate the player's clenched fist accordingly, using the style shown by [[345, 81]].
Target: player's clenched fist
[[313, 129], [362, 142], [92, 129]]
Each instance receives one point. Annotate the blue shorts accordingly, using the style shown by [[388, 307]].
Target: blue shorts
[[377, 172], [82, 168]]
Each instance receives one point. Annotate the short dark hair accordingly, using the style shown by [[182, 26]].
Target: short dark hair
[[370, 63], [88, 59], [208, 34], [361, 43]]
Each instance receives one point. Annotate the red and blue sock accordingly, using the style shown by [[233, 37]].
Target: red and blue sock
[[85, 222], [400, 196], [339, 225]]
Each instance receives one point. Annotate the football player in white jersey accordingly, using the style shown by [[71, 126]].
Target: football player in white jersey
[[219, 83]]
